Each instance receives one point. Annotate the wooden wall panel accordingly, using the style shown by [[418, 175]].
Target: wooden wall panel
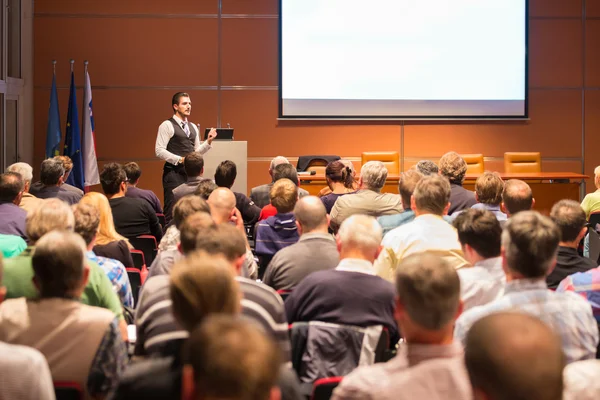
[[555, 8], [592, 8], [592, 53], [592, 137], [123, 7], [253, 7]]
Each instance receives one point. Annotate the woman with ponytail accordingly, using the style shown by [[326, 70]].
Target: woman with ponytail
[[340, 181]]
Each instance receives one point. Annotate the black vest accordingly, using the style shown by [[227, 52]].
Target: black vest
[[180, 144]]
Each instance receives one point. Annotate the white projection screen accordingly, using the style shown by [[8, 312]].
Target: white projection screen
[[403, 59]]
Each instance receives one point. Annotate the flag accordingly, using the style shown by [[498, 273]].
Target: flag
[[73, 139], [90, 162], [53, 133]]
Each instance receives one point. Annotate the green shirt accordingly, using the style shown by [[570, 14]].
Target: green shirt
[[11, 245], [591, 203], [18, 275]]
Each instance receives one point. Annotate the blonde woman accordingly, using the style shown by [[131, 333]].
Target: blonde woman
[[109, 243]]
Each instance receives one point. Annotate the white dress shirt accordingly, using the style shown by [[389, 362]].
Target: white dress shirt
[[24, 374], [582, 380], [483, 283], [166, 132]]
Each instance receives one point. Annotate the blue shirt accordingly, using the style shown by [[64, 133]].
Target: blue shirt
[[117, 274], [12, 220]]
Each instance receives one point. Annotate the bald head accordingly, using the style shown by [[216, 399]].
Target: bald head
[[311, 215], [517, 196], [222, 203], [511, 356]]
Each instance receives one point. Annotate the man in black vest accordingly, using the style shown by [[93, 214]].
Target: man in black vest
[[177, 137]]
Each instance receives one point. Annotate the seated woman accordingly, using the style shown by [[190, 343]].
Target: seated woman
[[340, 181], [109, 243]]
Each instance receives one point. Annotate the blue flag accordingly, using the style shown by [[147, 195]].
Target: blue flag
[[53, 133], [73, 139]]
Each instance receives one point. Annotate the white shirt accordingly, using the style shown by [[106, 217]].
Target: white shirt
[[582, 380], [355, 265], [166, 132], [24, 374], [483, 283]]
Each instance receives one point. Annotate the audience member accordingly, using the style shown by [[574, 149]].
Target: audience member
[[185, 207], [582, 380], [479, 234], [340, 181], [488, 193], [529, 247], [350, 166], [205, 188], [11, 245], [81, 343], [230, 359], [427, 167], [287, 171], [315, 251], [429, 364], [108, 242], [517, 196], [12, 217], [52, 183], [350, 294], [406, 187], [514, 356], [454, 167], [260, 194], [368, 199], [570, 219], [193, 165], [87, 220], [587, 285], [427, 232], [28, 201], [133, 173], [225, 175], [67, 164], [132, 217], [591, 201]]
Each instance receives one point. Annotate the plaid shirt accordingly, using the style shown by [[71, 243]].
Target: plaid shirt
[[587, 285], [117, 274], [567, 313]]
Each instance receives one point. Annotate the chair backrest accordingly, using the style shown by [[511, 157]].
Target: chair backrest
[[526, 162], [594, 245], [323, 388], [135, 281], [390, 159], [594, 219], [475, 164], [68, 391], [147, 244], [139, 260]]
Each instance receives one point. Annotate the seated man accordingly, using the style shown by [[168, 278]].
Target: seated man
[[282, 171], [28, 201], [315, 251], [205, 188], [12, 217], [428, 231], [368, 199], [514, 356], [516, 197], [225, 175], [52, 183], [193, 165], [454, 167], [260, 194], [185, 207], [67, 165], [488, 192], [529, 246], [479, 234], [591, 201], [587, 285], [406, 187], [132, 217], [350, 294], [81, 343], [570, 219], [427, 167], [134, 172], [429, 364]]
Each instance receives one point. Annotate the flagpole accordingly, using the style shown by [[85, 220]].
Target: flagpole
[[72, 62], [84, 107], [54, 67]]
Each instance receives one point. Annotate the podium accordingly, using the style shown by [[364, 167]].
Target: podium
[[235, 151]]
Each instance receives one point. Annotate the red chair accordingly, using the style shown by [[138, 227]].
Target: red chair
[[284, 294], [135, 281], [147, 244], [323, 388], [139, 263], [68, 391]]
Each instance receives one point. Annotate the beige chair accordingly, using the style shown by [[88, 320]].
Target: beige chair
[[475, 164], [525, 162], [390, 159]]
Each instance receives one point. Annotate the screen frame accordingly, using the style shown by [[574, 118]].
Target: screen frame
[[280, 115]]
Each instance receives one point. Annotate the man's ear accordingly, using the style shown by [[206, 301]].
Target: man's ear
[[237, 264], [328, 220], [582, 233], [188, 386], [503, 208], [202, 171], [532, 203], [299, 227], [275, 393], [2, 293], [338, 243], [413, 203], [446, 209], [378, 252]]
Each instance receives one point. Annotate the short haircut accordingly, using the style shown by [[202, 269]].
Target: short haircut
[[530, 243], [58, 263], [429, 289], [310, 213], [191, 227], [287, 171], [87, 221], [408, 183], [517, 196], [278, 161], [177, 98], [51, 171], [111, 177], [453, 167], [224, 239], [133, 172], [11, 184], [186, 206], [570, 219], [225, 174], [360, 231], [66, 161], [427, 167], [481, 230], [337, 171], [193, 164], [24, 169], [202, 285], [432, 194], [514, 356], [232, 359], [52, 214], [489, 187], [373, 174], [205, 188], [284, 195]]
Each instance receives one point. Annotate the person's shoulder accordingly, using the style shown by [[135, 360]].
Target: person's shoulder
[[260, 188], [361, 382]]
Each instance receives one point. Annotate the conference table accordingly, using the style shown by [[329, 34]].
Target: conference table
[[547, 187]]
